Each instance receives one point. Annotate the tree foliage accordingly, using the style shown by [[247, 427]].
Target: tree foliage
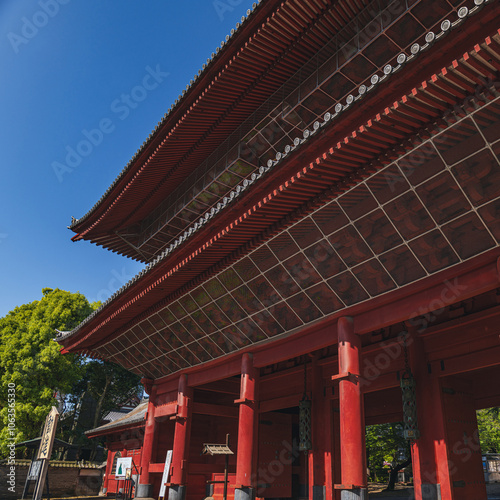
[[43, 378], [488, 421], [31, 360], [385, 444]]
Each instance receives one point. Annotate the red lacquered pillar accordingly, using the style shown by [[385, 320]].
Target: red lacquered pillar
[[246, 429], [320, 457], [352, 418], [144, 488], [182, 434], [109, 467], [429, 452]]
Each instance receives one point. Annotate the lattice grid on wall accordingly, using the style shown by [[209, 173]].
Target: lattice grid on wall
[[436, 206]]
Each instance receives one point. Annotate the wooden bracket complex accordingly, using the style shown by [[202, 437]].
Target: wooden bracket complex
[[243, 400], [177, 417], [346, 376]]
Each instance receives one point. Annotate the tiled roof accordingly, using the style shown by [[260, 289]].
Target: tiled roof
[[328, 121], [136, 416], [282, 37], [178, 103], [115, 415]]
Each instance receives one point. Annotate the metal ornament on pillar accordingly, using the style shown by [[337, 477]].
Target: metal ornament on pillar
[[305, 424], [305, 442], [408, 393]]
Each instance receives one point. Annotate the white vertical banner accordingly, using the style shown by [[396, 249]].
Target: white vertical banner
[[48, 435], [45, 450], [166, 472]]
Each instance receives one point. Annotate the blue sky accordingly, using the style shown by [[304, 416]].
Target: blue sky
[[66, 69]]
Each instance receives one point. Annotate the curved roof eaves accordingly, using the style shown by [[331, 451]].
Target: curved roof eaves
[[177, 103]]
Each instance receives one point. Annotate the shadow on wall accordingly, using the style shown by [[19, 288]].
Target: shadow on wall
[[65, 479]]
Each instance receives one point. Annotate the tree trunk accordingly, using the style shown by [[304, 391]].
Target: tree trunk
[[393, 474], [76, 416], [74, 424], [98, 416], [100, 402]]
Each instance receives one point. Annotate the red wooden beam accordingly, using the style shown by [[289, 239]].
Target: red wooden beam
[[226, 386], [280, 403], [215, 410], [156, 468], [166, 410], [448, 291], [223, 368], [468, 362]]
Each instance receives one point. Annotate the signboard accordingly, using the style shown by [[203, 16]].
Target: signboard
[[166, 472], [122, 464], [48, 435], [45, 450], [34, 472]]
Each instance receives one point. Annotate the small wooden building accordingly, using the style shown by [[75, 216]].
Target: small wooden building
[[318, 214], [124, 438]]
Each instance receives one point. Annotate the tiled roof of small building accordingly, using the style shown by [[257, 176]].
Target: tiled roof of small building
[[136, 416]]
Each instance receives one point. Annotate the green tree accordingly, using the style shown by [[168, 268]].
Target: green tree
[[385, 443], [31, 360], [84, 390], [488, 421]]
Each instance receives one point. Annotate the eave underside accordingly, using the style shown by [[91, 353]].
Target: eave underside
[[283, 37], [378, 238], [432, 207], [126, 228], [363, 151]]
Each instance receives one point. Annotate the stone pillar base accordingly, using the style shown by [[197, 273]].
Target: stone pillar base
[[319, 492], [356, 494], [144, 491], [177, 492], [244, 494], [209, 490], [431, 491]]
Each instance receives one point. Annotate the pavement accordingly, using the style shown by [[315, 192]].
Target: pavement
[[402, 493], [376, 493], [493, 491], [75, 498]]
